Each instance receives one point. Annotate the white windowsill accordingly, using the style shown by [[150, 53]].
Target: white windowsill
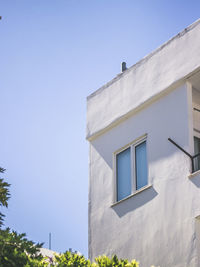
[[135, 193], [194, 174]]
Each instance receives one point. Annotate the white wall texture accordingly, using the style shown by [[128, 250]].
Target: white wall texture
[[156, 226], [145, 80]]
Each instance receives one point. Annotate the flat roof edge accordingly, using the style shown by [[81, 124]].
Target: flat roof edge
[[144, 59], [94, 135], [153, 98]]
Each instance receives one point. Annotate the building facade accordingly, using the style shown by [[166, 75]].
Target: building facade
[[144, 187]]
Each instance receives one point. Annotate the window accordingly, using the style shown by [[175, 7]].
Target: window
[[196, 151], [196, 131], [131, 169]]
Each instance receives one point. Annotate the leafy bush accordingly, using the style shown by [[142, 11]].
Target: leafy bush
[[4, 195], [71, 260], [74, 260], [17, 250], [103, 261]]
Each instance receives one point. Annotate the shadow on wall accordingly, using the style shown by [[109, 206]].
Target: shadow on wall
[[135, 202], [196, 180], [111, 141]]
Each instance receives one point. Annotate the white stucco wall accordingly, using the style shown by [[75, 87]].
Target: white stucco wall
[[156, 226], [176, 59]]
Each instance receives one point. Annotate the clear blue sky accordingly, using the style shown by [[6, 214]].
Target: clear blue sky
[[53, 54]]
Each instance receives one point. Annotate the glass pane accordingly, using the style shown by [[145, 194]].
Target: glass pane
[[196, 151], [141, 165], [123, 174]]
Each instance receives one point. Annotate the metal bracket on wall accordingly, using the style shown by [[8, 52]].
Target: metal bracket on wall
[[188, 154]]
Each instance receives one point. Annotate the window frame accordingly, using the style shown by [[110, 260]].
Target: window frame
[[132, 146], [196, 161], [196, 132]]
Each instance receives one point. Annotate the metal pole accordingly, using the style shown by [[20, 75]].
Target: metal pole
[[180, 148], [196, 109], [192, 165], [49, 240], [190, 156]]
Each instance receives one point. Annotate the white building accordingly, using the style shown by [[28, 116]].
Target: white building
[[144, 196]]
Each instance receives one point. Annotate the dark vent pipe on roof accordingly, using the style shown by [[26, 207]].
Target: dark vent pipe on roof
[[124, 66]]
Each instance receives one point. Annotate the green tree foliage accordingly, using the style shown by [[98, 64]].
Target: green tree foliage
[[4, 195], [17, 251], [74, 260], [71, 260], [104, 261]]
